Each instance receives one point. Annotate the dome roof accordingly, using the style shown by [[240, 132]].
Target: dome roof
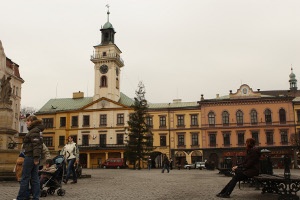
[[292, 76], [108, 25]]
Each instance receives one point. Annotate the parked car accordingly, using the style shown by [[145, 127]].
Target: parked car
[[196, 165], [189, 166], [114, 163], [200, 165]]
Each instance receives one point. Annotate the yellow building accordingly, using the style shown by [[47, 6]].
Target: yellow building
[[98, 123], [176, 131]]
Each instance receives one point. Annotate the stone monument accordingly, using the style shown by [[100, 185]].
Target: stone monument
[[6, 113]]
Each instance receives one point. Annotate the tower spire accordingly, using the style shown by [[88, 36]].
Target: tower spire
[[107, 12], [293, 80]]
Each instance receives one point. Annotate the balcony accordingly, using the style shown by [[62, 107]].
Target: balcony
[[101, 146], [110, 56]]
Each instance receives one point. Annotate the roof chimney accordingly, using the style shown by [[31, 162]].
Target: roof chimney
[[78, 95], [176, 100]]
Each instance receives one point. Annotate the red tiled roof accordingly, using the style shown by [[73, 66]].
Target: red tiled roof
[[14, 66]]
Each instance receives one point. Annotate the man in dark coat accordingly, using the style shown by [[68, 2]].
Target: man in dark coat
[[247, 169]]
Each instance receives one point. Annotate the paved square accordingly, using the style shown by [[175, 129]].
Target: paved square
[[112, 184]]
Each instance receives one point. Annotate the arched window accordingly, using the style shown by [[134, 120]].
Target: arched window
[[117, 83], [225, 118], [282, 116], [211, 119], [268, 116], [103, 81], [253, 116], [239, 117]]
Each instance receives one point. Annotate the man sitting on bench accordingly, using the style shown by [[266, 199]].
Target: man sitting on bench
[[247, 169]]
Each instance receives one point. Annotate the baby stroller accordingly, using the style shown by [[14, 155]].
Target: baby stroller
[[55, 180]]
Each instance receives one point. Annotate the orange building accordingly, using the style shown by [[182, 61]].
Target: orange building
[[267, 116]]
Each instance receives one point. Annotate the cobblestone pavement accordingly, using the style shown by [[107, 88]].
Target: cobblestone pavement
[[126, 184]]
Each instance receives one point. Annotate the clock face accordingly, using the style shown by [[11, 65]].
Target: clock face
[[104, 69]]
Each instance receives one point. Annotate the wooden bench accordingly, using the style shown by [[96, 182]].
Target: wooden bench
[[287, 188]]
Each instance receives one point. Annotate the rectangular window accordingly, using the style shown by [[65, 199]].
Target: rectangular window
[[102, 140], [48, 122], [212, 140], [269, 135], [62, 141], [180, 140], [63, 122], [255, 136], [120, 119], [103, 120], [211, 119], [241, 139], [194, 120], [226, 138], [120, 138], [162, 121], [163, 140], [85, 140], [75, 138], [298, 116], [86, 120], [195, 139], [74, 121], [180, 120], [149, 121], [284, 137], [48, 141]]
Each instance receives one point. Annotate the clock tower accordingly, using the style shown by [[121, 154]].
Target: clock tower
[[107, 64]]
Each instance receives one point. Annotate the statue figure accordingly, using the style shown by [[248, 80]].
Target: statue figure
[[5, 92]]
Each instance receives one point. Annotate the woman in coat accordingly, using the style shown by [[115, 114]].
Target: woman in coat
[[32, 148], [71, 154], [247, 169]]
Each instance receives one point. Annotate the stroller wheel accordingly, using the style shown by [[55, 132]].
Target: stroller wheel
[[43, 193], [61, 192], [51, 191]]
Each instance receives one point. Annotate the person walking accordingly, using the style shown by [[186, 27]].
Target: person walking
[[171, 163], [247, 169], [71, 154], [166, 164], [32, 148], [149, 162]]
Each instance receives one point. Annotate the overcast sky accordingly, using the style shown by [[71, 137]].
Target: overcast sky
[[179, 49]]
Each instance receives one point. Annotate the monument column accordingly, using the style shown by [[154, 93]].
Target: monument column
[[6, 114]]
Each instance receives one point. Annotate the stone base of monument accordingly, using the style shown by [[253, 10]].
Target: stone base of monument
[[6, 121], [7, 163]]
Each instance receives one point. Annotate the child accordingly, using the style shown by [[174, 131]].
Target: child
[[49, 168], [19, 166]]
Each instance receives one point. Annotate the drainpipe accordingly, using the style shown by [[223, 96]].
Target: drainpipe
[[169, 129]]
